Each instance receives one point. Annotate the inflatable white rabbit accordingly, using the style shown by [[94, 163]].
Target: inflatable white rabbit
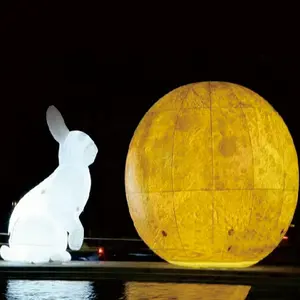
[[46, 219]]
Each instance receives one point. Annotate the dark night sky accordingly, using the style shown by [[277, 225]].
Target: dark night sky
[[103, 79]]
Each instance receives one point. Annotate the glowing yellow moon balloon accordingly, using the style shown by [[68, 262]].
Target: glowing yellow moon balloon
[[212, 176]]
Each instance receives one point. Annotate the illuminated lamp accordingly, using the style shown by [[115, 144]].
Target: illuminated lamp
[[46, 220], [212, 176], [101, 251]]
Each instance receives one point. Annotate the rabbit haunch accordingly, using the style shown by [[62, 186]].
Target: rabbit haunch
[[46, 219]]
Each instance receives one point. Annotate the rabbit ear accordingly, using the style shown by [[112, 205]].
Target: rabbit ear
[[56, 124]]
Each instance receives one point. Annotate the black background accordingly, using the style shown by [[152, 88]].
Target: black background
[[103, 70]]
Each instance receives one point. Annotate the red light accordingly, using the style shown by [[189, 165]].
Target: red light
[[100, 251], [285, 238]]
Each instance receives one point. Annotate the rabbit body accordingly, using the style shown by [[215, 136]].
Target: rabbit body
[[46, 220]]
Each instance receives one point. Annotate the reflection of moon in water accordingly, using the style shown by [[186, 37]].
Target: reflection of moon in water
[[49, 289], [182, 291]]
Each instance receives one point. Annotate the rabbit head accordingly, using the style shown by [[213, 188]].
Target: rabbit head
[[75, 147]]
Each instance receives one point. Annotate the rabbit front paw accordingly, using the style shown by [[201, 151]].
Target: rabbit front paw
[[76, 238]]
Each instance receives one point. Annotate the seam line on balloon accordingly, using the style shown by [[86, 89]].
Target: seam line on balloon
[[172, 172], [212, 164], [281, 207], [249, 135], [251, 145], [200, 100], [283, 185], [215, 190]]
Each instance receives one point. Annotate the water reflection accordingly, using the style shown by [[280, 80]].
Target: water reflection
[[117, 290], [181, 291], [49, 289]]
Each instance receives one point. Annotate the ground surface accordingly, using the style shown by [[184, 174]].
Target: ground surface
[[144, 271]]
